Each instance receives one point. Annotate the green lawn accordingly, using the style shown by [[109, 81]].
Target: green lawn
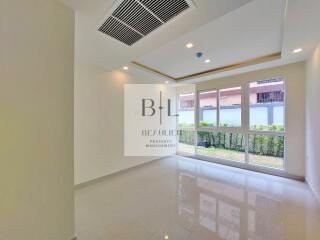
[[222, 153], [186, 148]]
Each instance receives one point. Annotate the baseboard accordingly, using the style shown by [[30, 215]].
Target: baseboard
[[313, 191], [274, 172], [102, 178]]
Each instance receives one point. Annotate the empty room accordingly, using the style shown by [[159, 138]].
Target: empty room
[[159, 120]]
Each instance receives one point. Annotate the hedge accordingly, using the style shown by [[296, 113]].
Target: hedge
[[258, 144]]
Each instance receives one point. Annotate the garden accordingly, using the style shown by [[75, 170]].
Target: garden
[[266, 150]]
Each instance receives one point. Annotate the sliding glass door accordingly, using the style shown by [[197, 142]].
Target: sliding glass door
[[186, 124], [233, 125], [267, 124]]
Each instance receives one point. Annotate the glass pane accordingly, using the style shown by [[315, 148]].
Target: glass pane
[[230, 107], [186, 110], [186, 144], [267, 105], [266, 150], [222, 145], [208, 109]]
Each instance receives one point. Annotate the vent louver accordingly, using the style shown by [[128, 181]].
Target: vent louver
[[166, 9], [134, 19], [120, 31]]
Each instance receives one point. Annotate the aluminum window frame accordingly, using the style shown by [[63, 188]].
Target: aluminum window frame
[[243, 129]]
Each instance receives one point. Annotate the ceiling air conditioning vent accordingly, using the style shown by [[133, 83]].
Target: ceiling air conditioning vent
[[131, 20], [120, 31], [166, 9]]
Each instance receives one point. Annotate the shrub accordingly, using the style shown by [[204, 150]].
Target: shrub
[[258, 143]]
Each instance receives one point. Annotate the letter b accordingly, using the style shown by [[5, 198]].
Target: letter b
[[150, 107]]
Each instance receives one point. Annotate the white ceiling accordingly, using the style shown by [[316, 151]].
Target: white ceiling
[[96, 48], [251, 31], [226, 31], [301, 29]]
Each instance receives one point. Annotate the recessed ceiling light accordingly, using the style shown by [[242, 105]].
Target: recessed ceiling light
[[125, 68], [166, 82], [297, 50], [189, 45], [166, 237], [207, 60]]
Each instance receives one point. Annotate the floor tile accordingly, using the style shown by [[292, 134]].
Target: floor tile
[[182, 198]]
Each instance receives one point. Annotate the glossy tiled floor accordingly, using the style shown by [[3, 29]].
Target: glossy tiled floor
[[183, 199]]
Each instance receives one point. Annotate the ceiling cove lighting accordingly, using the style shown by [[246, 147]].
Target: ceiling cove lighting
[[297, 50], [207, 60], [125, 68], [189, 45]]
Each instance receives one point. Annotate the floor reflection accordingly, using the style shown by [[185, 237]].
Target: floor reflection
[[184, 199], [228, 211]]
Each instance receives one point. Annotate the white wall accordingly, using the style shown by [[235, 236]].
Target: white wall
[[99, 120], [36, 120], [99, 116], [313, 122], [294, 76]]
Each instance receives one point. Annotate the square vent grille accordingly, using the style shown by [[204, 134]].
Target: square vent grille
[[133, 19]]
